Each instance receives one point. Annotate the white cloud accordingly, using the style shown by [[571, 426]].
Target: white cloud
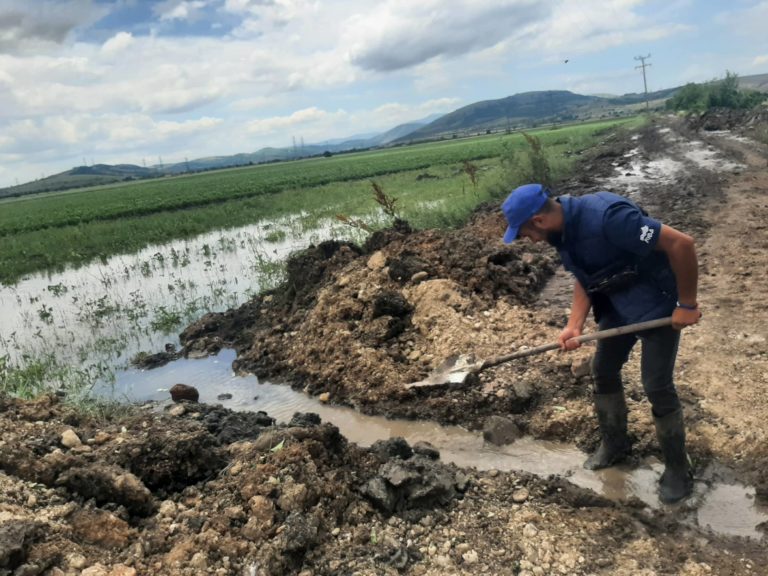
[[180, 9], [305, 118], [760, 60], [117, 43], [112, 131], [400, 33], [393, 113]]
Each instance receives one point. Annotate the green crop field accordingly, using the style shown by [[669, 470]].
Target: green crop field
[[52, 230]]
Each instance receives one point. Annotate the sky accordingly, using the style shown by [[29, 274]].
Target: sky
[[147, 82]]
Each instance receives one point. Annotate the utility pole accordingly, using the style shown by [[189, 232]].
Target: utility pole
[[645, 83]]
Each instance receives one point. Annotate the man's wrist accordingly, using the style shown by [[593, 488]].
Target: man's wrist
[[694, 306]]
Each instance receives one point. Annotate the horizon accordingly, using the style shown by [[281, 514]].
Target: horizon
[[132, 82]]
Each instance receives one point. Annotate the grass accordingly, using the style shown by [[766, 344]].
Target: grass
[[50, 232]]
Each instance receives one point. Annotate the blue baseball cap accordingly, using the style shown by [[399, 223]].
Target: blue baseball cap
[[522, 203]]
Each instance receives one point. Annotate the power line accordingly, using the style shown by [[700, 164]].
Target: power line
[[645, 83]]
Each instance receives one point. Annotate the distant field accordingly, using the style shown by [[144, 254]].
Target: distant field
[[51, 230]]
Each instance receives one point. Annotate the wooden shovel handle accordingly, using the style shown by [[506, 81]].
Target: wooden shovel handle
[[600, 335]]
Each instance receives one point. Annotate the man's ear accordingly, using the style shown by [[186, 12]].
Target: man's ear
[[537, 219]]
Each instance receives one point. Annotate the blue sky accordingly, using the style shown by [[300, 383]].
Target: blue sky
[[132, 81]]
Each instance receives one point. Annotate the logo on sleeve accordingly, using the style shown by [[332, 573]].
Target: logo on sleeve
[[646, 233]]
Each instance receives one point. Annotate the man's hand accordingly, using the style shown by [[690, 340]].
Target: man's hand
[[565, 338], [683, 317]]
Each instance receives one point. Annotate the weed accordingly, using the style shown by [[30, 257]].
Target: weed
[[275, 236], [470, 170], [353, 222], [165, 320], [387, 203]]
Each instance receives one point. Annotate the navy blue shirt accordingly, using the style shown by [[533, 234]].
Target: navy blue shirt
[[604, 235], [626, 227]]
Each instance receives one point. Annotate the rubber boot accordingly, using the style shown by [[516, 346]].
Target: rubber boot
[[676, 482], [614, 446]]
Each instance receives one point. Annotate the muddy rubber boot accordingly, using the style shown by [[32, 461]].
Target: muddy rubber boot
[[614, 446], [676, 482]]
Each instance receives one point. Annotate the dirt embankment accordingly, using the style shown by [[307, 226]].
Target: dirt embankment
[[194, 489]]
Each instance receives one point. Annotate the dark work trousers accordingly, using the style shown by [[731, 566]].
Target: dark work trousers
[[657, 364]]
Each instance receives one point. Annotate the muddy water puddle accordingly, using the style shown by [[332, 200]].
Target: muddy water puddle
[[718, 504]]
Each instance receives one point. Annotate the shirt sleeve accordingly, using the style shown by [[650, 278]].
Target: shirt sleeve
[[626, 227]]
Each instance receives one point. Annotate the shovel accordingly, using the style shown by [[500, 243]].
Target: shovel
[[456, 369]]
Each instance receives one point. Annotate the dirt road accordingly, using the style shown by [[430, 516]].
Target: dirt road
[[194, 489]]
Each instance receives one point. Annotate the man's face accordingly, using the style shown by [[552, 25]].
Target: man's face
[[533, 231], [539, 229]]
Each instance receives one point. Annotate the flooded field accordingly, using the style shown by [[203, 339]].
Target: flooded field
[[91, 321]]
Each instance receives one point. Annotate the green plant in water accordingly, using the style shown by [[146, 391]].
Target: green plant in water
[[165, 320], [44, 374], [275, 236]]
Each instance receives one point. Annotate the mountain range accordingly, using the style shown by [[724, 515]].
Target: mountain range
[[521, 111]]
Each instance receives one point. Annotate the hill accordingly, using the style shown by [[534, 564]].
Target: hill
[[529, 109], [755, 82], [80, 177]]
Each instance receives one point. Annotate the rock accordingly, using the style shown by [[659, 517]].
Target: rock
[[470, 557], [181, 392], [76, 561], [293, 496], [177, 410], [101, 528], [419, 276], [377, 261], [16, 537], [426, 449], [390, 303], [167, 508], [199, 561], [499, 430], [70, 439], [300, 532], [224, 396], [416, 483], [582, 366], [305, 419], [325, 397], [520, 495], [395, 447], [108, 483]]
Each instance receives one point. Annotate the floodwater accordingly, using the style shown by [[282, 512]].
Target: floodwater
[[720, 504], [102, 314], [642, 172]]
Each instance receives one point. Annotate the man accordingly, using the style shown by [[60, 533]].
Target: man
[[628, 268]]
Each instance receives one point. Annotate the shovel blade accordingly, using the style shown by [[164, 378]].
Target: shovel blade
[[452, 370]]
